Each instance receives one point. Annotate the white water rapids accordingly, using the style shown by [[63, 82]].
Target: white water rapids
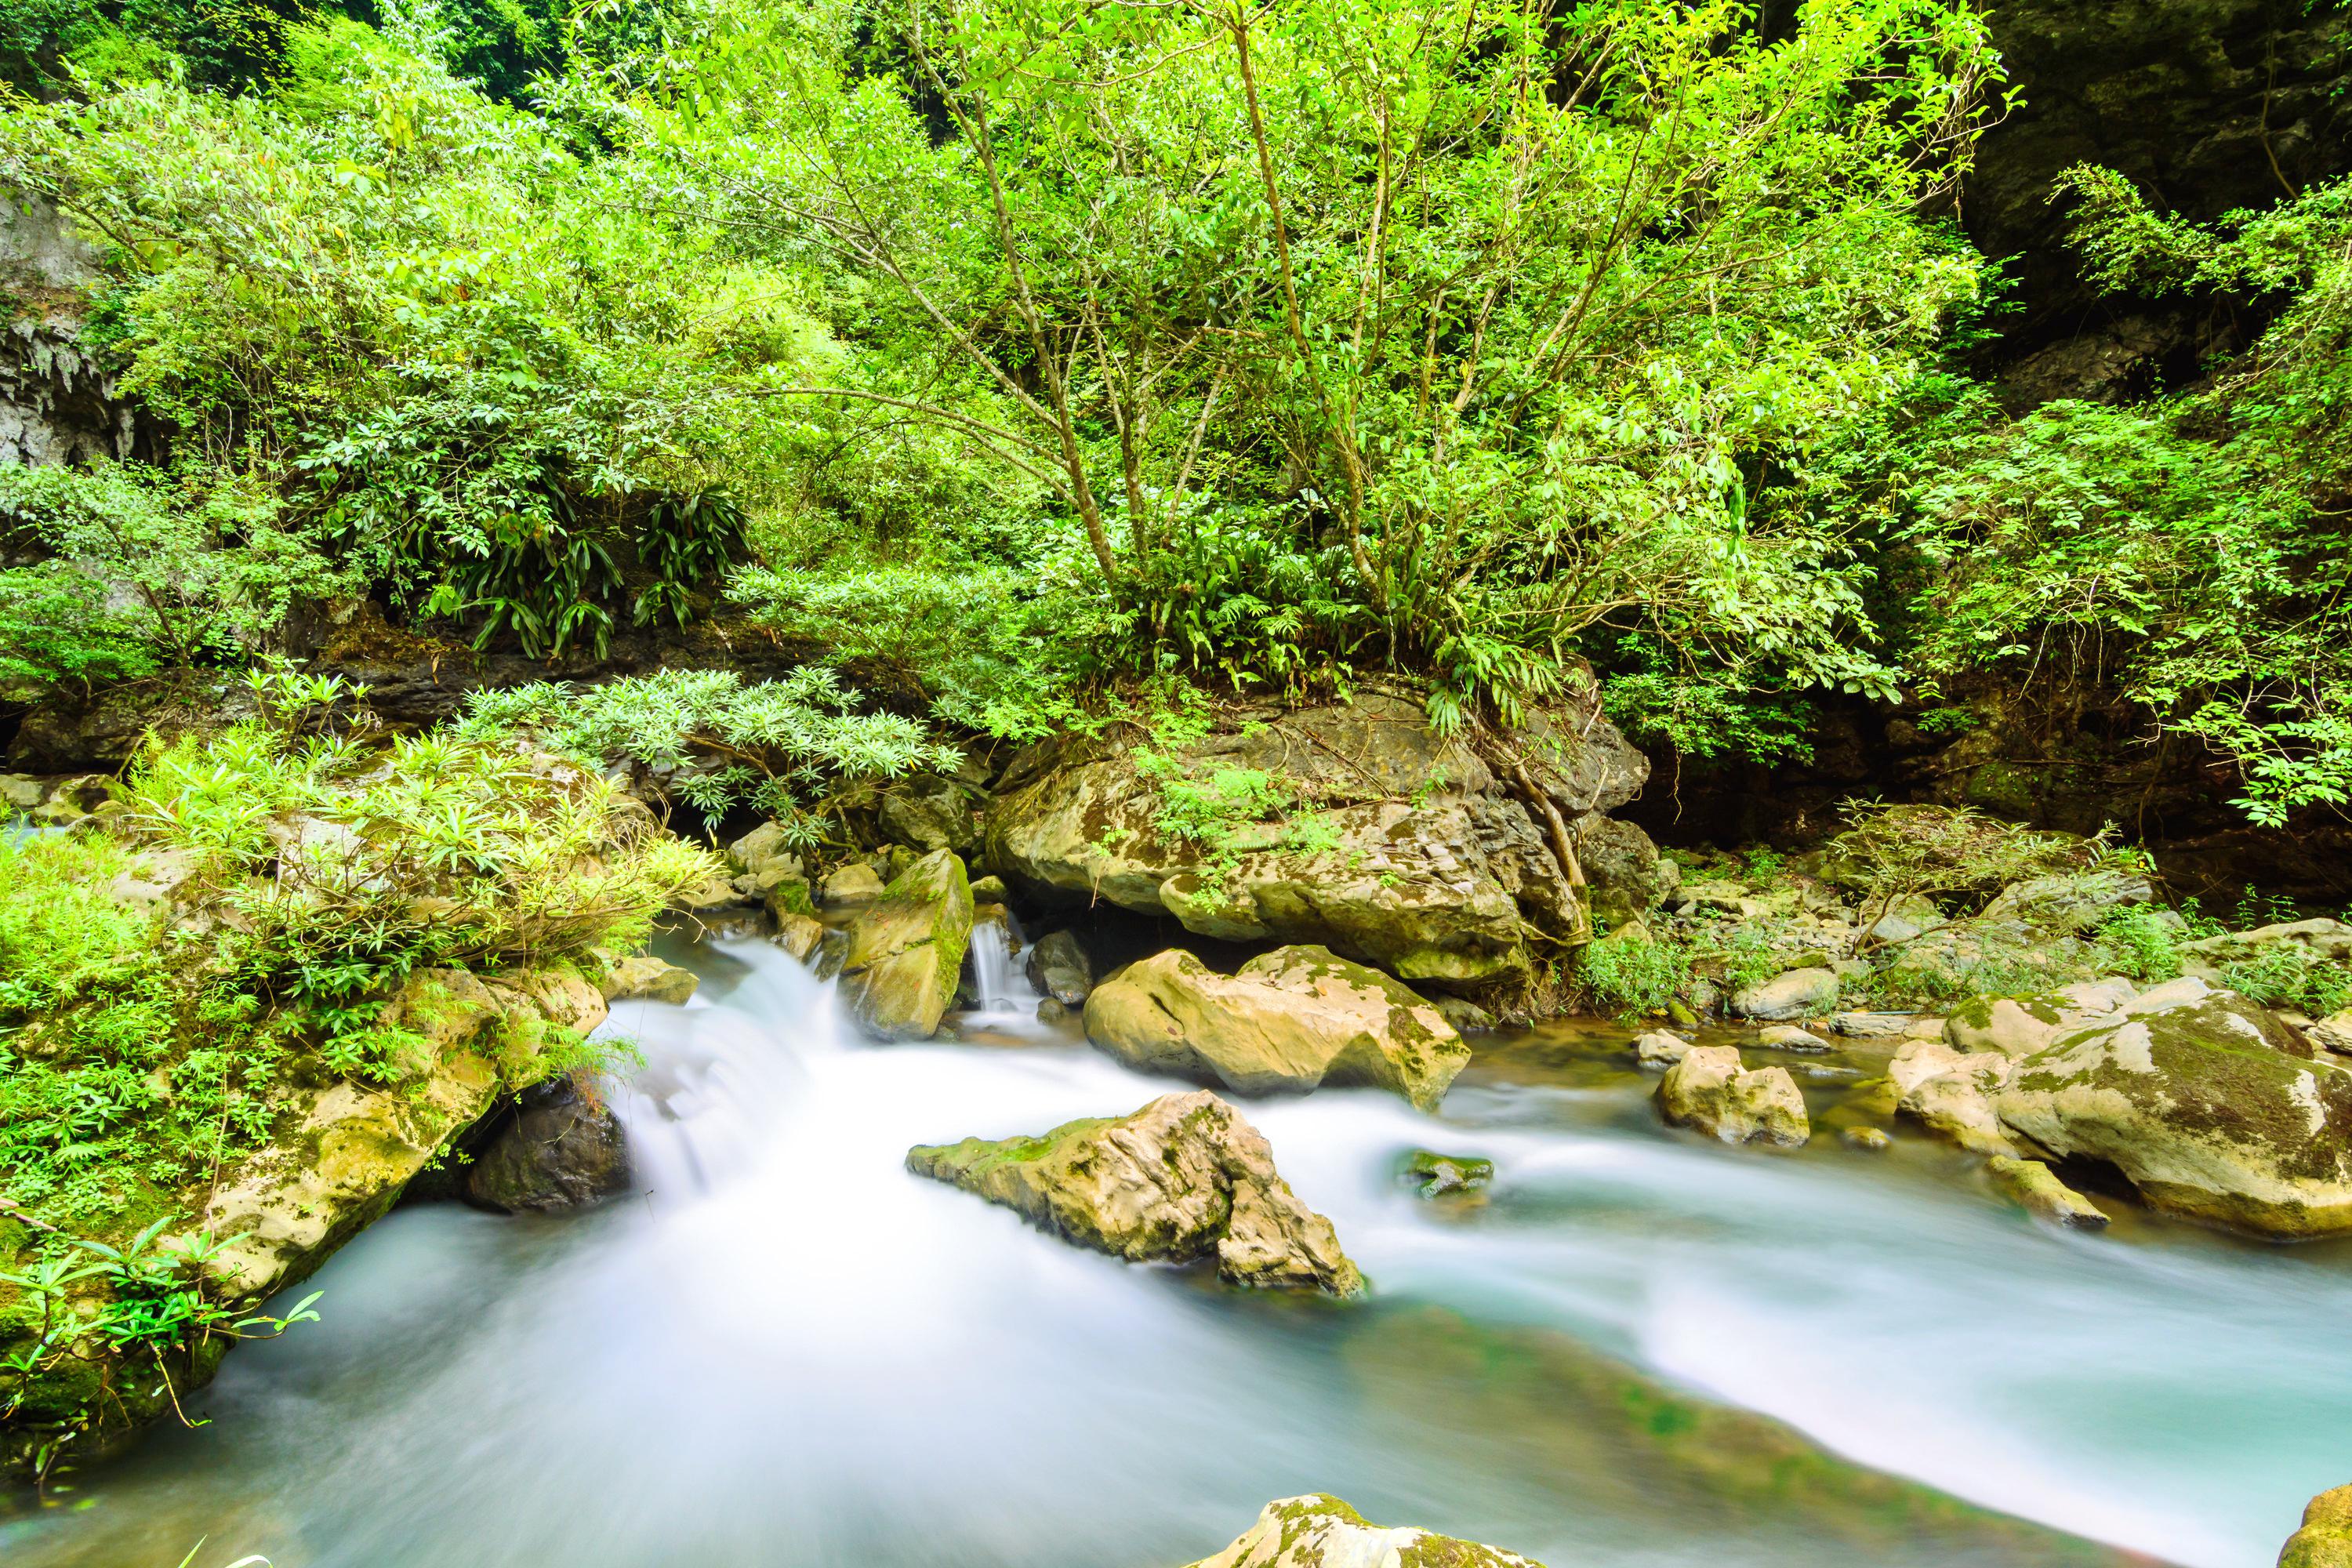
[[784, 1350]]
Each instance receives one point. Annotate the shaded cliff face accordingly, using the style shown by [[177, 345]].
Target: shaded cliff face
[[57, 403], [2207, 105]]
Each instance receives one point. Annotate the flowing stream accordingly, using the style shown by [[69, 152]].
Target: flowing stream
[[783, 1350]]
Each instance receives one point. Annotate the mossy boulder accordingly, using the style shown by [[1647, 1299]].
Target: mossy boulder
[[1183, 1178], [1059, 968], [1435, 1175], [2326, 1539], [1951, 1091], [645, 978], [907, 947], [349, 1150], [1807, 992], [1709, 1089], [2037, 1189], [2206, 1103], [1354, 826], [1295, 1018], [1321, 1532]]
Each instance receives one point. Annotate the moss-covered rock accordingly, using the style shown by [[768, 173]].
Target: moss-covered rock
[[1358, 829], [2326, 1539], [1183, 1178], [907, 948], [1295, 1018], [645, 978], [1435, 1175], [1321, 1532], [2037, 1190], [2206, 1103], [1951, 1091]]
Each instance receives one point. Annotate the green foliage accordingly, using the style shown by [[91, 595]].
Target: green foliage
[[2142, 942], [145, 567], [2286, 975], [2192, 550], [707, 738], [1626, 978], [1890, 852]]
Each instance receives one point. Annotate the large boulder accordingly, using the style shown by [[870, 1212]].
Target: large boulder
[[1709, 1089], [1625, 875], [1294, 1019], [1321, 1532], [346, 1150], [2206, 1103], [562, 1149], [1353, 826], [1183, 1178], [2326, 1539], [907, 947]]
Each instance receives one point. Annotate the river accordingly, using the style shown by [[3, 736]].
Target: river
[[783, 1350]]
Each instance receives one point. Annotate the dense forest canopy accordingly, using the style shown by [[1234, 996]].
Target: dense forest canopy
[[1030, 351]]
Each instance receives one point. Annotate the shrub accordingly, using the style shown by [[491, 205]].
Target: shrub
[[1626, 978]]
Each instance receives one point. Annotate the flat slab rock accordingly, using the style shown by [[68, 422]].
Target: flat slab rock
[[1321, 1532], [1183, 1178]]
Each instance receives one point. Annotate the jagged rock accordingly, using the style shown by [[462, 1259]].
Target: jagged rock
[[1789, 1037], [560, 1149], [2041, 1193], [907, 947], [1951, 1091], [1183, 1178], [856, 883], [1797, 993], [2326, 1539], [1291, 1019], [347, 1149], [1321, 1532], [1398, 847], [2208, 1105], [1708, 1089], [647, 978], [1658, 1048], [1434, 1174], [1059, 967]]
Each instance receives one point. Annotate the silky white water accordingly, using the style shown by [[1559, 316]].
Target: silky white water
[[786, 1349]]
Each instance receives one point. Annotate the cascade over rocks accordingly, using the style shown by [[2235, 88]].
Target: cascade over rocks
[[2206, 1103], [1398, 848], [1321, 1532], [1183, 1178], [907, 947], [1295, 1018]]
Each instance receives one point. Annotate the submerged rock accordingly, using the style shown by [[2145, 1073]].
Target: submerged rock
[[1435, 1175], [1183, 1178], [1294, 1019], [1059, 967], [907, 947], [1708, 1089], [560, 1149], [2207, 1104], [2039, 1190], [2326, 1539], [1321, 1532]]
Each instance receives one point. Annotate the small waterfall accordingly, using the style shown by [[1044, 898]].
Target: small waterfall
[[1000, 992]]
